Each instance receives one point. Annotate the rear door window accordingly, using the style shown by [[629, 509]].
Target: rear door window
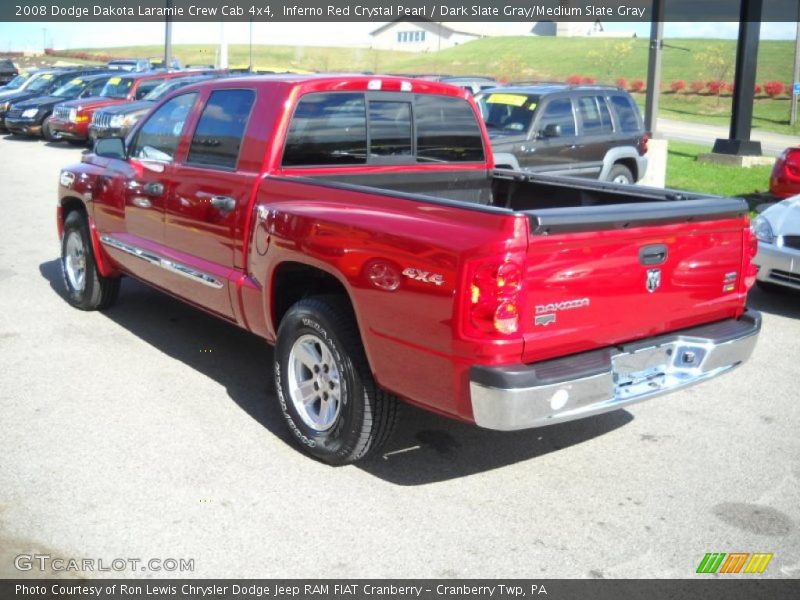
[[327, 129], [447, 130], [218, 136], [559, 112], [627, 113], [594, 115]]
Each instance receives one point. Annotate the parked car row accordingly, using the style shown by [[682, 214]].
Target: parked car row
[[59, 104], [594, 132]]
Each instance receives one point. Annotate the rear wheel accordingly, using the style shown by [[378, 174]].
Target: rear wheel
[[86, 288], [327, 394], [620, 174]]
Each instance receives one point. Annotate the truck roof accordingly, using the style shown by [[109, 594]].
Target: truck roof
[[346, 82]]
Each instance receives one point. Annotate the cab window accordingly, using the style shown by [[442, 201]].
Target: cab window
[[159, 136]]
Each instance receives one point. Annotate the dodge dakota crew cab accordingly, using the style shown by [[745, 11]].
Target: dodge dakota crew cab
[[358, 224]]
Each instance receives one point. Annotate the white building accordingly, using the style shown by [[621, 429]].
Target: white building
[[426, 36]]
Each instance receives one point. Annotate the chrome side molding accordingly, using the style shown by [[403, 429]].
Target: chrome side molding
[[164, 263]]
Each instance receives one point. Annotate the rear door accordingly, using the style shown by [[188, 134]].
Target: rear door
[[621, 282], [595, 129], [208, 205]]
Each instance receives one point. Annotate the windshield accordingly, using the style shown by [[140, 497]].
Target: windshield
[[117, 87], [70, 89], [16, 83], [507, 113], [41, 83]]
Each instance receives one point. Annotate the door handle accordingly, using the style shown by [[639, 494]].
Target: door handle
[[223, 203], [153, 188], [654, 254]]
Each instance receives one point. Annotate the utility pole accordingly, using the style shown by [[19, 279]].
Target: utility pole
[[654, 68], [223, 47], [251, 47], [796, 77], [168, 38]]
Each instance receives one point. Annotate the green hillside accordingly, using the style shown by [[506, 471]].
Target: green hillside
[[539, 58]]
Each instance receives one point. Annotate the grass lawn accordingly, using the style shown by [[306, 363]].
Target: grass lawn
[[536, 58], [684, 172]]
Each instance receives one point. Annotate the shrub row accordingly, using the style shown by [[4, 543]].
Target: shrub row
[[714, 87]]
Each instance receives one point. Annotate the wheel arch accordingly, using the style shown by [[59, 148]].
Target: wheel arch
[[624, 155], [70, 204]]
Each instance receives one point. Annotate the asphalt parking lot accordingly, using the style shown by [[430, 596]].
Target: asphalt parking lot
[[151, 431]]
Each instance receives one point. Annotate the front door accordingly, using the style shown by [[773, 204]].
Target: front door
[[556, 139], [130, 219]]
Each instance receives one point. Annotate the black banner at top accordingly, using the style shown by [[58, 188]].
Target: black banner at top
[[634, 11]]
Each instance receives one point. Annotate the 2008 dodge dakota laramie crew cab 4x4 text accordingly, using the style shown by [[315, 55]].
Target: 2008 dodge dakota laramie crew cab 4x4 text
[[359, 225]]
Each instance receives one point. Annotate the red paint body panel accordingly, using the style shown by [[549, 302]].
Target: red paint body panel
[[405, 262], [785, 178]]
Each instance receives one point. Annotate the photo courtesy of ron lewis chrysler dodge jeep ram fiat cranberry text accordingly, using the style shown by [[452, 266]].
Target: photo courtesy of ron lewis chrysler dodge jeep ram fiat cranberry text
[[359, 225]]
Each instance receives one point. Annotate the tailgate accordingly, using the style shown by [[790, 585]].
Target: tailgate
[[598, 276]]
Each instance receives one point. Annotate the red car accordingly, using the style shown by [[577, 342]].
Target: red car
[[70, 120], [785, 178], [357, 223]]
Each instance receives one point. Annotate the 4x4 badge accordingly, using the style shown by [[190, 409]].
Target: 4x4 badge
[[653, 279]]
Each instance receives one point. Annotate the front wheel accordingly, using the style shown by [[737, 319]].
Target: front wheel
[[86, 288], [325, 388], [47, 133]]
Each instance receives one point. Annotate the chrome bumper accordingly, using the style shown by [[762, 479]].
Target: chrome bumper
[[565, 389], [778, 264]]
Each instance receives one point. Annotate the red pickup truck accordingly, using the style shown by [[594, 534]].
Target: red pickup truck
[[358, 224]]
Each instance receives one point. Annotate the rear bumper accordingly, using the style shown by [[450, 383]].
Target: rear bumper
[[565, 389], [778, 264]]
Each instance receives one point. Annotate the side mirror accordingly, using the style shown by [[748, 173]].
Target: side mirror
[[113, 147], [551, 130]]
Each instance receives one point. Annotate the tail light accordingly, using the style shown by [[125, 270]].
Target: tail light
[[494, 298], [785, 177], [750, 268], [643, 144]]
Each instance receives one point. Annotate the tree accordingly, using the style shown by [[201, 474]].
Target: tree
[[718, 63]]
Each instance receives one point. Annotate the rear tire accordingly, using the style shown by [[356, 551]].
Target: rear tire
[[620, 174], [325, 388], [86, 288]]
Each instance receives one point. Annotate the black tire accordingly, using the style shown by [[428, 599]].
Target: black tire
[[366, 415], [618, 173], [93, 291], [47, 133]]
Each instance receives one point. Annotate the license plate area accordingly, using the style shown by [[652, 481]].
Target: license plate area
[[642, 371]]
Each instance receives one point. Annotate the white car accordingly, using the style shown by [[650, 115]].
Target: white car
[[778, 233]]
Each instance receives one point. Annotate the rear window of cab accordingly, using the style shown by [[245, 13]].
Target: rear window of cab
[[354, 128]]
